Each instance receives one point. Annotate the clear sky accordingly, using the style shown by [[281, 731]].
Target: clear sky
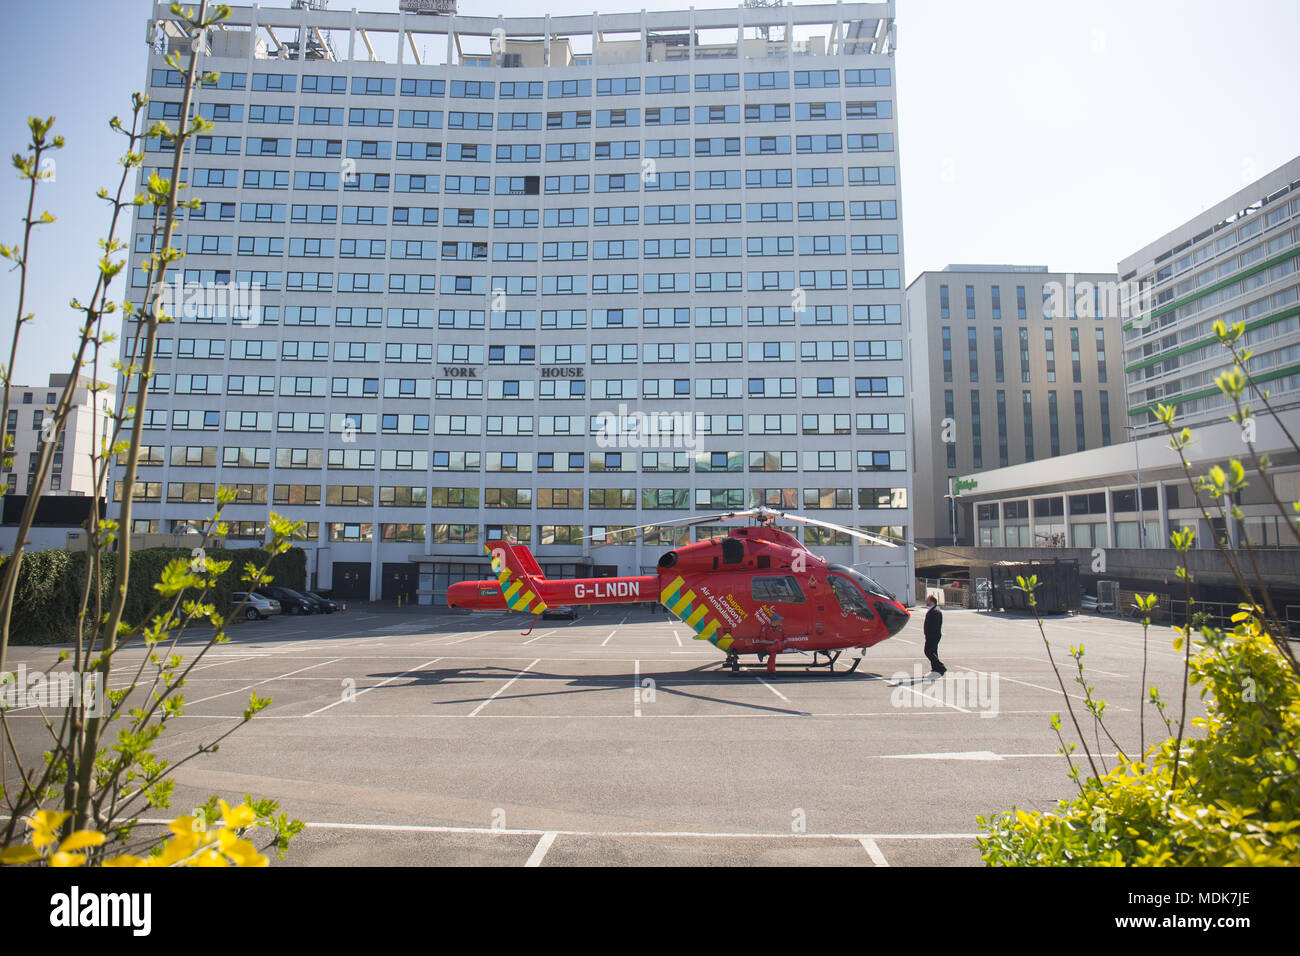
[[1031, 131]]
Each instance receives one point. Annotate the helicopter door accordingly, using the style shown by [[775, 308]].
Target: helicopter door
[[850, 599]]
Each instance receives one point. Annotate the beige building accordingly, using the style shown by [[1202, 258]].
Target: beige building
[[1010, 364], [31, 410]]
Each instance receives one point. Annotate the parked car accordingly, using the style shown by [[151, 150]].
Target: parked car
[[559, 613], [328, 605], [291, 602], [256, 606]]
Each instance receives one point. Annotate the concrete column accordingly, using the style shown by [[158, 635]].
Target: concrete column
[[1110, 521], [1162, 525]]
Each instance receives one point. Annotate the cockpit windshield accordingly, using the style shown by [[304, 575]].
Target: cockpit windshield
[[870, 585], [850, 598]]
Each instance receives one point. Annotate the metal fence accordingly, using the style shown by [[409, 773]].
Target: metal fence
[[953, 596]]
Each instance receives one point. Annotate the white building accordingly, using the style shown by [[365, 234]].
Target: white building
[[477, 242], [1238, 262], [31, 416]]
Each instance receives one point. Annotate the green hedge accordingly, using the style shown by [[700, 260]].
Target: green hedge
[[50, 583]]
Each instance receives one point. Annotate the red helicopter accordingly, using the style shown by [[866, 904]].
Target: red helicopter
[[757, 590]]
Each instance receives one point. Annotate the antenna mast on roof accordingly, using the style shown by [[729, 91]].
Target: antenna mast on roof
[[765, 30]]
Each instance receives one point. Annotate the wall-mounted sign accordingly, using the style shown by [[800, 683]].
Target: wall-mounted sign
[[564, 371], [426, 6]]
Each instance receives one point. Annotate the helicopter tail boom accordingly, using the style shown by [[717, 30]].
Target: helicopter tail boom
[[522, 586]]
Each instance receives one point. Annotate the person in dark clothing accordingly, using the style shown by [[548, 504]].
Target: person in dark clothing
[[933, 632]]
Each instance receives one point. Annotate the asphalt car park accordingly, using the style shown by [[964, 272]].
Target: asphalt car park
[[426, 737]]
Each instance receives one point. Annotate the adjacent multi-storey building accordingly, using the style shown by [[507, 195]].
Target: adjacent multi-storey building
[[31, 420], [1010, 364], [570, 276], [1237, 262]]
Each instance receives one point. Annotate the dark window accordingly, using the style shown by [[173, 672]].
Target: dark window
[[849, 598], [777, 588]]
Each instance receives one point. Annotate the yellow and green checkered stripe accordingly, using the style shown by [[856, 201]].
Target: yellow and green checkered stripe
[[518, 597], [687, 606]]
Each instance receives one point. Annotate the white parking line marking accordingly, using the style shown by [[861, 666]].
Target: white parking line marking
[[679, 638], [539, 852], [367, 690], [1050, 690], [541, 635], [611, 634], [212, 663], [472, 637], [636, 689], [913, 690], [191, 703], [505, 687], [773, 689], [643, 834], [873, 851], [966, 755], [918, 714]]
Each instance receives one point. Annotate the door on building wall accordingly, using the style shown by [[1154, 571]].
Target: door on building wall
[[352, 580], [400, 580]]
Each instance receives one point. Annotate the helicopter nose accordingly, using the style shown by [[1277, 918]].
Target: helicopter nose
[[893, 615]]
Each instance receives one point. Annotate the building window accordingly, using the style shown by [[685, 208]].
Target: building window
[[949, 412], [1003, 452], [1080, 435], [1027, 400], [1053, 423]]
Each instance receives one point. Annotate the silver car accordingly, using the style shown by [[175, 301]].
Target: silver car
[[255, 605]]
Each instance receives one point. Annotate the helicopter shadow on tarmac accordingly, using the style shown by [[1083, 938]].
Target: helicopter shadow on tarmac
[[683, 684]]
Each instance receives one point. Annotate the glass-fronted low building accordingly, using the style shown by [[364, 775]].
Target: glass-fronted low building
[[1238, 262]]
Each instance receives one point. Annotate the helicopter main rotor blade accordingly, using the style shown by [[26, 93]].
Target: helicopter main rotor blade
[[871, 538], [625, 537], [762, 513]]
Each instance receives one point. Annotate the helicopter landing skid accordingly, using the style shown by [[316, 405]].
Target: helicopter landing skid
[[821, 661]]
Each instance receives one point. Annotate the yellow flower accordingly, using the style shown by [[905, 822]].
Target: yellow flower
[[44, 824], [239, 817], [80, 839], [20, 854], [241, 851]]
